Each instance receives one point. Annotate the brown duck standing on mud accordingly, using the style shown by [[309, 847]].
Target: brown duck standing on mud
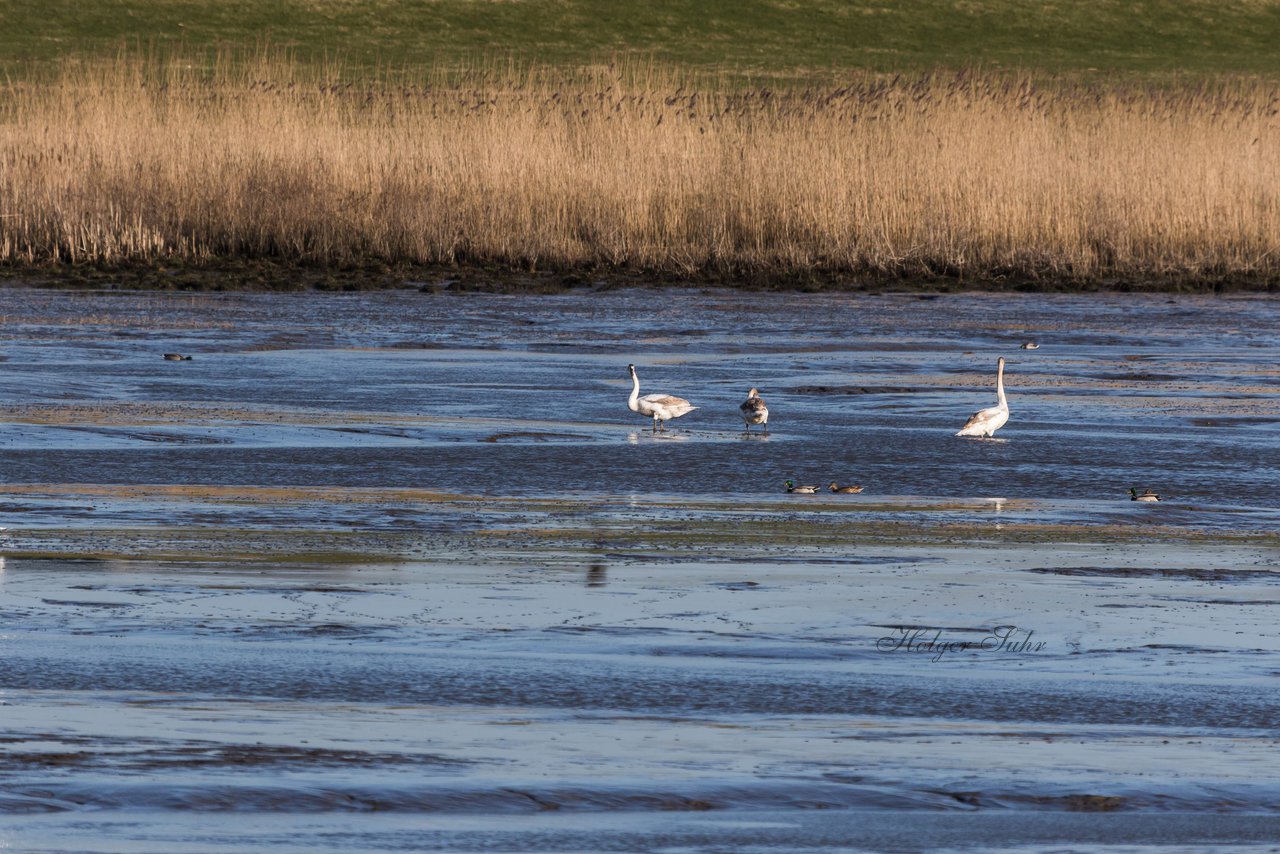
[[754, 411]]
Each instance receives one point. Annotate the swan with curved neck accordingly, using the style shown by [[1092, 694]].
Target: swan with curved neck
[[660, 407], [986, 422]]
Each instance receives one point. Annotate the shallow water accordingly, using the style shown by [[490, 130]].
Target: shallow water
[[401, 571], [519, 395]]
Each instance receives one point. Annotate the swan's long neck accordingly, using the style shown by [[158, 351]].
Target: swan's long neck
[[1000, 385], [635, 393]]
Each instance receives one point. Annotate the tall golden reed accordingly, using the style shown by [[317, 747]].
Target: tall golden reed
[[977, 176]]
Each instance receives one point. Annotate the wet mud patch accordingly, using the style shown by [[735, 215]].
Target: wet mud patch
[[130, 414], [78, 604], [282, 589], [533, 436], [1220, 601], [389, 432], [524, 798], [213, 757], [1067, 803], [252, 756], [1241, 421], [915, 627], [1188, 574], [615, 631], [290, 341], [1136, 376], [321, 799], [353, 525], [405, 345], [302, 633], [45, 508], [855, 389], [735, 586], [151, 436]]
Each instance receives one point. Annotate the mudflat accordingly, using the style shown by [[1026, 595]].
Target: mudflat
[[401, 571]]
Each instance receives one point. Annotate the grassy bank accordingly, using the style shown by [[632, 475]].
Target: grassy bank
[[1151, 37], [974, 178]]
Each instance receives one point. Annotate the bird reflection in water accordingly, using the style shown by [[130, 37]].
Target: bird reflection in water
[[596, 575]]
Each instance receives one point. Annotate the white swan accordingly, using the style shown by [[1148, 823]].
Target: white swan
[[754, 411], [987, 421], [660, 407]]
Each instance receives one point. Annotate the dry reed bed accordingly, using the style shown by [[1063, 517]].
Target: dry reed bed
[[968, 175]]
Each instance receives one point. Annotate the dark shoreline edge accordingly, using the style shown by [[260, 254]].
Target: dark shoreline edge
[[274, 275]]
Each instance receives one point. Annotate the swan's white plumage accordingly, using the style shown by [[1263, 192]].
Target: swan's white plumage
[[987, 421], [660, 407]]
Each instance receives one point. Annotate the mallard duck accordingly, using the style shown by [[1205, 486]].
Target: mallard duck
[[1144, 495], [176, 357], [660, 407], [805, 490], [985, 422], [844, 490], [1031, 345], [754, 411]]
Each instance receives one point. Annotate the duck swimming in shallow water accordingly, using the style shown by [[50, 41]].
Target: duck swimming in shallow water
[[660, 407], [805, 490], [1144, 495], [985, 422], [1031, 345], [844, 490], [754, 411]]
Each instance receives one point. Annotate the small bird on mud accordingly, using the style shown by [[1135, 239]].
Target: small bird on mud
[[804, 490], [985, 422], [660, 407], [844, 490], [754, 411], [1144, 495]]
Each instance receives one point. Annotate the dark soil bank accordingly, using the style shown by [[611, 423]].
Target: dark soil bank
[[261, 274]]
